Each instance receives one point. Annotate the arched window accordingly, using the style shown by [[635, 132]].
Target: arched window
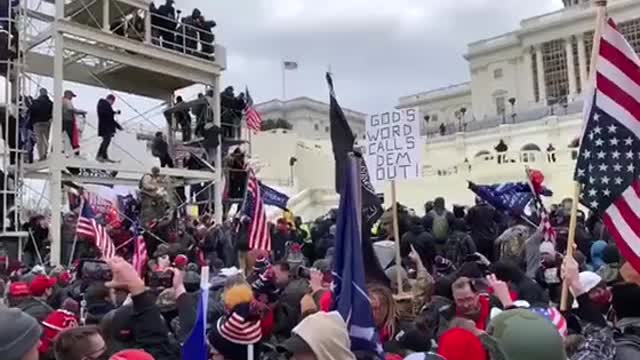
[[530, 147], [482, 154]]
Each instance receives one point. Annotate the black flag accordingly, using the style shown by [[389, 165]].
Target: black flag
[[342, 141]]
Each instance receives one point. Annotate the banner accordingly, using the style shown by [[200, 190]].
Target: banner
[[273, 197], [394, 148]]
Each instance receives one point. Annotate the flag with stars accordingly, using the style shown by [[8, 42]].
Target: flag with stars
[[609, 160]]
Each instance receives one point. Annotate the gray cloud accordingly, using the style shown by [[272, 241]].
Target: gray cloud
[[378, 49]]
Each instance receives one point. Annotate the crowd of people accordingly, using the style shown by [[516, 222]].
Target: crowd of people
[[473, 283], [184, 34]]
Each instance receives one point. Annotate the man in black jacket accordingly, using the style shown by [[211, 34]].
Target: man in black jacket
[[165, 23], [107, 126], [183, 118], [41, 113], [160, 149]]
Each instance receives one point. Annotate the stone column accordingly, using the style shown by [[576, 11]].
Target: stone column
[[542, 88], [582, 60], [571, 69]]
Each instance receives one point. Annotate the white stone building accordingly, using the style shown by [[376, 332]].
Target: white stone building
[[543, 63], [310, 118], [525, 88]]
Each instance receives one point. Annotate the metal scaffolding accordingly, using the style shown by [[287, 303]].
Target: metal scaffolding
[[110, 44]]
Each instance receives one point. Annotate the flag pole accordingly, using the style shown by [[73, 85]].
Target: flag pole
[[396, 235], [75, 234], [601, 16]]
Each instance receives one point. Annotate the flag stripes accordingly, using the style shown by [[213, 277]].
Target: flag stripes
[[259, 237], [608, 162]]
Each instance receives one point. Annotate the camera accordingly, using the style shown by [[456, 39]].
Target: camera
[[161, 279], [94, 270]]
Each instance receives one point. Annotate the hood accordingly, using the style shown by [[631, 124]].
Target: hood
[[327, 335]]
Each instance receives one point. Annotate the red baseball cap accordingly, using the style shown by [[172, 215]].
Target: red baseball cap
[[131, 355], [42, 283], [181, 261], [19, 289]]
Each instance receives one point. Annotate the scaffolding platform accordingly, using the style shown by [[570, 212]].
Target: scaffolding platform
[[87, 50], [122, 64], [113, 174]]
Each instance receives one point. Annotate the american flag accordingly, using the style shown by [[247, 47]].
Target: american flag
[[259, 236], [88, 228], [609, 161], [548, 231], [253, 118], [140, 256], [553, 315]]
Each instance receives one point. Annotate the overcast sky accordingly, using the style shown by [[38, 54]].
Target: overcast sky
[[378, 50]]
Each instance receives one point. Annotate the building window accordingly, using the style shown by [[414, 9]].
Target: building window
[[554, 59], [497, 74], [434, 118], [576, 65], [316, 127], [631, 32], [501, 105], [528, 157], [326, 129], [534, 70]]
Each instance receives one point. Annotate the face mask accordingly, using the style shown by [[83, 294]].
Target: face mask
[[603, 299]]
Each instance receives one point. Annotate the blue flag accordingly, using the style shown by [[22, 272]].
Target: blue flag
[[513, 198], [273, 197], [195, 347], [350, 294]]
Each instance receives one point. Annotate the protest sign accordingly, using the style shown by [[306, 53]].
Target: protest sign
[[394, 146]]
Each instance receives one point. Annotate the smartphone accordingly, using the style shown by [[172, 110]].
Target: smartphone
[[94, 270]]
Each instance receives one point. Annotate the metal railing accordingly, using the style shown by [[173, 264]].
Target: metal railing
[[182, 37]]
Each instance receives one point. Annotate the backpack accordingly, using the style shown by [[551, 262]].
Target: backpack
[[440, 226], [458, 248]]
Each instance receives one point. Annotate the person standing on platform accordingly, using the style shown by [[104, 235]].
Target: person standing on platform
[[183, 118], [160, 149], [166, 24], [69, 124], [107, 126], [41, 112]]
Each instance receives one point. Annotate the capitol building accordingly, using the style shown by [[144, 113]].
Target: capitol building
[[525, 90]]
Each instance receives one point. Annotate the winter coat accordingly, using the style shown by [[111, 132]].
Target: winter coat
[[458, 247], [627, 339], [159, 147], [150, 332], [41, 110], [423, 242], [483, 221], [107, 124], [511, 244], [37, 308]]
